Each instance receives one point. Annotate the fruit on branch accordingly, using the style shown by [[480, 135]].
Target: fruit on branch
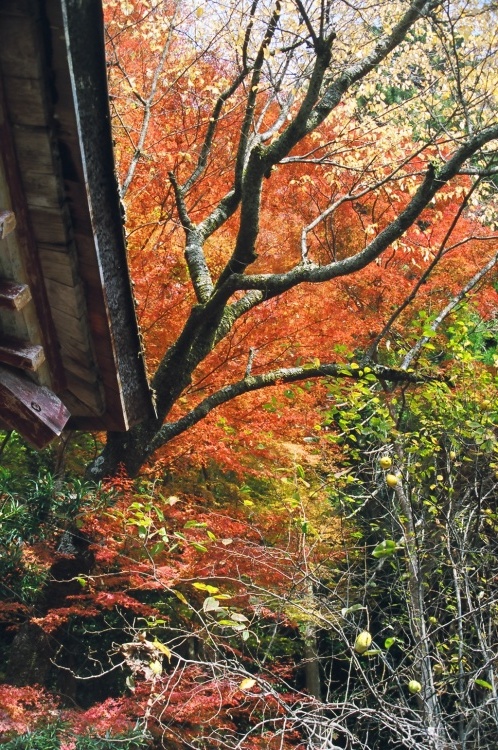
[[385, 462], [362, 642], [414, 687], [392, 480]]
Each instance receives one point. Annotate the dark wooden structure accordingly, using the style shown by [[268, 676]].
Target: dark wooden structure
[[70, 353]]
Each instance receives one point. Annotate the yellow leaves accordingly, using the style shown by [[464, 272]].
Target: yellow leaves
[[247, 684], [185, 155], [127, 8], [162, 648], [205, 587], [367, 89], [179, 596], [210, 89], [156, 667], [371, 228]]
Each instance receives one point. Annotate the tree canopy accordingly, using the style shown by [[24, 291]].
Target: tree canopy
[[300, 550], [297, 178]]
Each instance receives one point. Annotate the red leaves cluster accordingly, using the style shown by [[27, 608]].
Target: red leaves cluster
[[22, 709]]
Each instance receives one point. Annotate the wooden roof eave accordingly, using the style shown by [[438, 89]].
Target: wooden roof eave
[[84, 37], [72, 307]]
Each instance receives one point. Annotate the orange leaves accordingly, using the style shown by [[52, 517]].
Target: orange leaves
[[324, 203]]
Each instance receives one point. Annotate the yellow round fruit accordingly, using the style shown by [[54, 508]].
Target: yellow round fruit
[[414, 687], [392, 480], [452, 455], [362, 642], [385, 462]]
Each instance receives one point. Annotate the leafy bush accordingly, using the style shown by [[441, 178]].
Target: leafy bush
[[56, 737]]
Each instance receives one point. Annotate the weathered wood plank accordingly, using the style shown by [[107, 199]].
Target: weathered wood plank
[[34, 148], [59, 265], [48, 225], [69, 299], [34, 411], [71, 329], [86, 249], [7, 222], [20, 354], [16, 7], [26, 98], [13, 296], [87, 372], [27, 251], [79, 351], [19, 38], [88, 394], [42, 191]]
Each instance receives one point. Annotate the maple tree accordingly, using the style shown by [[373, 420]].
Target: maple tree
[[311, 197], [279, 162]]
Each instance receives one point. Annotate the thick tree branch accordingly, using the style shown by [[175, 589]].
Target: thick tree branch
[[309, 116], [276, 377], [253, 95], [250, 172], [273, 284], [194, 252], [213, 124]]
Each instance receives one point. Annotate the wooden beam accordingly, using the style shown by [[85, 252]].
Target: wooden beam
[[32, 410], [20, 354], [13, 296], [7, 222], [28, 247]]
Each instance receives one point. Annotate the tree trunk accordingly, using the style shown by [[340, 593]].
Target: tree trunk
[[123, 449], [428, 697], [312, 664]]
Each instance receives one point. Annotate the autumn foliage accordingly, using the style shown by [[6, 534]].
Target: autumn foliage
[[215, 600], [163, 112]]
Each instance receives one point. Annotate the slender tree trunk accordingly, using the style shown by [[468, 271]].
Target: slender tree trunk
[[312, 663], [422, 661]]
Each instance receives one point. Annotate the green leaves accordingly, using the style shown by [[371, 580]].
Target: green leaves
[[483, 684], [386, 548]]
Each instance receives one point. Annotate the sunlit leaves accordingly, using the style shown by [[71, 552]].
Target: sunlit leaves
[[386, 548]]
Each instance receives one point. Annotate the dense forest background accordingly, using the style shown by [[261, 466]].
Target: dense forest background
[[300, 551]]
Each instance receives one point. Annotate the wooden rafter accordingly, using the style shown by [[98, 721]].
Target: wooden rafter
[[20, 354], [31, 409], [13, 296]]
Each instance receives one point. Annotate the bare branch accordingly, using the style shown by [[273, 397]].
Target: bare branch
[[148, 104], [213, 123], [310, 116], [427, 272], [414, 351], [194, 253]]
